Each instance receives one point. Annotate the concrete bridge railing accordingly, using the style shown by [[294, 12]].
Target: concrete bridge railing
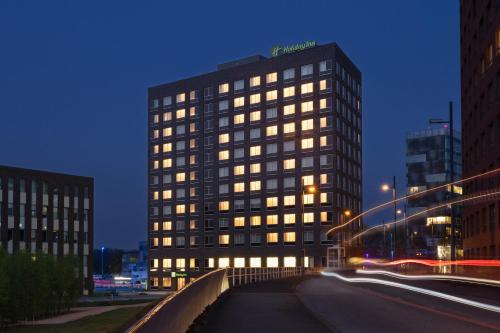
[[177, 311]]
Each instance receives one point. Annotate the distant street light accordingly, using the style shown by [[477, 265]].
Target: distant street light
[[102, 261], [386, 188]]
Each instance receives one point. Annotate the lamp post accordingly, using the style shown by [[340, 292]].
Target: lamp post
[[453, 242], [309, 189], [345, 214], [102, 261], [385, 188]]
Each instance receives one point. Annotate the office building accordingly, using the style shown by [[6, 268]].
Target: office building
[[480, 79], [428, 162], [235, 156], [48, 212]]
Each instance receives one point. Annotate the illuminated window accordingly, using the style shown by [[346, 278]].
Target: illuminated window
[[438, 220], [255, 262], [239, 118], [180, 264], [289, 128], [155, 226], [167, 241], [271, 95], [167, 131], [289, 237], [181, 113], [255, 168], [271, 77], [239, 187], [239, 262], [223, 155], [306, 88], [224, 206], [272, 219], [289, 200], [255, 99], [272, 238], [156, 149], [289, 219], [239, 102], [255, 151], [167, 116], [289, 262], [289, 164], [239, 222], [223, 240], [289, 109], [306, 106], [192, 111], [239, 170], [223, 262], [210, 262], [308, 180], [308, 199], [223, 88], [180, 177], [155, 195], [255, 221], [224, 138], [288, 92], [254, 81], [307, 124], [180, 98], [155, 164], [192, 127], [192, 159], [167, 225], [255, 185], [167, 147], [166, 263], [325, 141], [255, 116], [272, 130], [325, 199], [307, 143], [272, 262], [180, 209], [272, 202], [324, 103], [167, 194]]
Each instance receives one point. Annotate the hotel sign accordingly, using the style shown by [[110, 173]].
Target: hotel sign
[[278, 50]]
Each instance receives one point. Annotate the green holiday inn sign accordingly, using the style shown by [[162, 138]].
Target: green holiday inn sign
[[278, 50]]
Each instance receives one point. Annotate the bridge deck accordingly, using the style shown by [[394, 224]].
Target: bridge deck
[[270, 306]]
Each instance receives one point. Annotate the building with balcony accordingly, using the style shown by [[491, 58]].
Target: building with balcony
[[250, 165], [48, 212]]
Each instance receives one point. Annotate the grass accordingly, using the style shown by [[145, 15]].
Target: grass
[[109, 322]]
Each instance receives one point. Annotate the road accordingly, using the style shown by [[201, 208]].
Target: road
[[364, 307], [326, 304]]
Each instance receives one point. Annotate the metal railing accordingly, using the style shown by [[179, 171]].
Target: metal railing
[[177, 311]]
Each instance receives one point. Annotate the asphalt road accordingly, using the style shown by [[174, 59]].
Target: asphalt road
[[346, 307]]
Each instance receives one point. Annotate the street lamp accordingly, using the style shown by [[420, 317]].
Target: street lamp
[[386, 188], [309, 189], [345, 214], [453, 244]]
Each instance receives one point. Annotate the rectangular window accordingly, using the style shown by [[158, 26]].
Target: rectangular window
[[289, 128], [272, 202], [254, 81], [255, 151], [307, 124], [255, 99], [289, 110], [306, 70], [306, 88], [271, 130], [288, 92], [180, 114], [239, 222], [255, 185], [308, 218], [239, 102], [307, 143], [255, 168], [325, 66], [272, 238], [255, 221], [271, 78], [306, 106], [239, 187], [239, 85], [271, 113], [289, 164], [255, 116], [239, 170], [223, 88], [180, 98], [239, 119], [289, 237], [289, 74], [223, 155], [289, 219], [271, 95]]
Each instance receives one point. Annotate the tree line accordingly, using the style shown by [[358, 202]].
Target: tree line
[[34, 286]]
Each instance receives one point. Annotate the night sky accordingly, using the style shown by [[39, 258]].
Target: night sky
[[74, 78]]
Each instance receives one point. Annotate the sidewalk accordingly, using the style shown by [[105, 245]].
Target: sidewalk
[[80, 312]]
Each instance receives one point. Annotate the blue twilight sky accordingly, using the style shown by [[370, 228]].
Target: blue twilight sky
[[74, 78]]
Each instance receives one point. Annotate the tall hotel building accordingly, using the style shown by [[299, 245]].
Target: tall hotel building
[[48, 212], [235, 156], [480, 73]]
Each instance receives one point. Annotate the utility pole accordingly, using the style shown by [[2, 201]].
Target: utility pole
[[452, 169]]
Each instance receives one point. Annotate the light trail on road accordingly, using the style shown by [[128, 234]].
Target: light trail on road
[[456, 278], [370, 210], [427, 262], [437, 294], [425, 211]]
